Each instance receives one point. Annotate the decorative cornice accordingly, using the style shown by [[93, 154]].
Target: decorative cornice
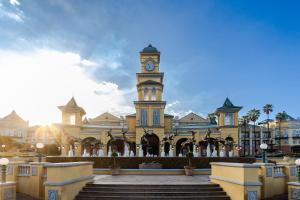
[[241, 165], [9, 183], [294, 183], [68, 164], [246, 183], [67, 182]]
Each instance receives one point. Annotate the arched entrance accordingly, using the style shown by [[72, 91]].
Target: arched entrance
[[183, 149], [117, 145], [150, 144], [91, 145]]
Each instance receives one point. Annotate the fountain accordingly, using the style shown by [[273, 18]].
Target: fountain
[[215, 153], [131, 154], [171, 153], [71, 152], [222, 154], [230, 153], [109, 152], [162, 154], [208, 152], [126, 151], [141, 154], [100, 153], [194, 151]]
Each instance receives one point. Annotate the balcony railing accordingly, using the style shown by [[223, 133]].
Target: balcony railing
[[24, 170]]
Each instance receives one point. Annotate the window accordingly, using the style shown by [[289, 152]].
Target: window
[[153, 94], [72, 119], [156, 117], [144, 117], [229, 119], [146, 95]]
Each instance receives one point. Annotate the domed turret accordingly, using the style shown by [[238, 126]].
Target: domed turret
[[150, 49]]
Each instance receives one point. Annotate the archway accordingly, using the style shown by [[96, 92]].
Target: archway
[[116, 145], [185, 149], [91, 145], [150, 144]]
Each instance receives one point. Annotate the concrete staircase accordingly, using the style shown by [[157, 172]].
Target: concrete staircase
[[144, 191]]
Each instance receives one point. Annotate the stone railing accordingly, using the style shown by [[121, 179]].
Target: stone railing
[[65, 180], [24, 170], [253, 181], [240, 181]]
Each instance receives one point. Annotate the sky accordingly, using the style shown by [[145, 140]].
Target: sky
[[52, 50]]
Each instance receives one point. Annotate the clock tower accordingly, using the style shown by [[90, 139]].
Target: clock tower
[[149, 105]]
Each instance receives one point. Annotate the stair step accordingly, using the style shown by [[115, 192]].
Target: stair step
[[153, 186], [152, 197], [208, 191], [174, 193], [111, 189]]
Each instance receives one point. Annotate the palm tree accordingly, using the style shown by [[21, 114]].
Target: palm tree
[[244, 120], [279, 118], [253, 117], [268, 108]]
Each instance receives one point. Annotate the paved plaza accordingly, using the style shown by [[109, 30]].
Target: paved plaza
[[152, 179]]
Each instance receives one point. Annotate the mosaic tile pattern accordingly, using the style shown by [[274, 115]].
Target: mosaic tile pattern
[[52, 195], [252, 195]]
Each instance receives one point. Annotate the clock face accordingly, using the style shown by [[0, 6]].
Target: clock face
[[149, 66]]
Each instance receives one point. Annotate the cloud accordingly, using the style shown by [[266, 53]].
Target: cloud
[[11, 11], [14, 2], [35, 83]]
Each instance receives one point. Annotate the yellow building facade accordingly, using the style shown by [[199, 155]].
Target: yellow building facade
[[148, 125]]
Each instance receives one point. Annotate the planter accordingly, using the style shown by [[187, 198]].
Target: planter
[[115, 171], [189, 170]]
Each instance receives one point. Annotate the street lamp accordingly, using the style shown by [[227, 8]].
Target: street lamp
[[39, 146], [263, 147], [3, 162], [297, 162], [3, 147]]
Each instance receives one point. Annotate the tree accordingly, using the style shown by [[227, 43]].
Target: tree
[[279, 118], [244, 120], [253, 117], [268, 108]]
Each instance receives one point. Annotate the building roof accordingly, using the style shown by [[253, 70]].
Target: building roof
[[13, 116], [287, 117], [193, 118], [72, 107], [265, 121], [105, 117], [150, 49], [228, 107]]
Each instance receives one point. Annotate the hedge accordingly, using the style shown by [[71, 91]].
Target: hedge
[[167, 162]]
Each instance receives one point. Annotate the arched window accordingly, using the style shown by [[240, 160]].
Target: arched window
[[153, 94], [146, 94], [72, 119]]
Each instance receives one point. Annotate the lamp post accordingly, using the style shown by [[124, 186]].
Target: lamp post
[[263, 147], [297, 162], [39, 146], [3, 147], [3, 162]]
